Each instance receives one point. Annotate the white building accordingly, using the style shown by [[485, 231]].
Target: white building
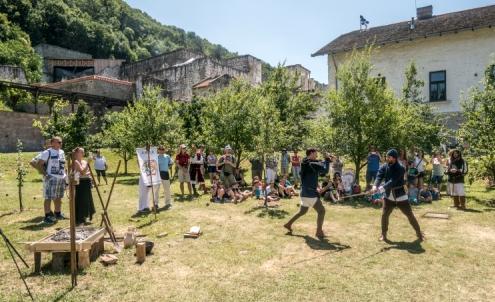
[[451, 52]]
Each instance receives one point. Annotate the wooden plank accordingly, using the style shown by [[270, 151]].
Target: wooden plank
[[83, 259]]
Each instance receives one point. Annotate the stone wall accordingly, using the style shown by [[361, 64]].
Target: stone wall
[[248, 64], [12, 74], [18, 125], [180, 79], [131, 71], [48, 51]]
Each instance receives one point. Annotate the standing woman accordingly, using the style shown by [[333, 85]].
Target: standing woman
[[437, 170], [456, 170], [100, 167], [212, 165], [419, 163], [296, 168], [85, 207], [195, 169]]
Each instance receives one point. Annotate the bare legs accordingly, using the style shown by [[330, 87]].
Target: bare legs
[[320, 210]]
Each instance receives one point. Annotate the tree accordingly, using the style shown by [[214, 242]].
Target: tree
[[21, 172], [478, 128], [420, 127], [361, 112], [293, 105], [151, 120], [192, 115], [229, 117], [15, 49], [73, 128]]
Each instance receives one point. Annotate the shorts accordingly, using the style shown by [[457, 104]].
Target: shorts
[[421, 175], [229, 180], [436, 179], [184, 175], [456, 189], [101, 173], [212, 169], [54, 187], [308, 202]]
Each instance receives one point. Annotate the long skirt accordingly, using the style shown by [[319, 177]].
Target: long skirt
[[85, 207], [195, 174]]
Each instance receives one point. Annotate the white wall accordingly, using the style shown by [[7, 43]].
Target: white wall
[[464, 56]]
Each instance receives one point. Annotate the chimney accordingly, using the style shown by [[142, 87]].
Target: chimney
[[424, 12]]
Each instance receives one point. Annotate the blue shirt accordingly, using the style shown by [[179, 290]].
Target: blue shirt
[[163, 162], [373, 162]]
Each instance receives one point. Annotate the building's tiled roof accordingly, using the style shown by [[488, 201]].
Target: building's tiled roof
[[471, 19], [89, 78]]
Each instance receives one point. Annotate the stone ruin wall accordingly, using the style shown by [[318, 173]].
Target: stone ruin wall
[[12, 74], [179, 80], [248, 64]]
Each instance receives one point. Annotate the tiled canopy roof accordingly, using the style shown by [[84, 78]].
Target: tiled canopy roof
[[471, 19]]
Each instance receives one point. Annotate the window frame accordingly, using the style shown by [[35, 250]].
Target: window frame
[[436, 83]]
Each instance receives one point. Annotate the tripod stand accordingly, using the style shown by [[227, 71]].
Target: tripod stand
[[11, 248]]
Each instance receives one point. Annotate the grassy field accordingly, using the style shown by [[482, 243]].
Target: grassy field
[[245, 255]]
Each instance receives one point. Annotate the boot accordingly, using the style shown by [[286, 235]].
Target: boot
[[456, 201], [462, 202]]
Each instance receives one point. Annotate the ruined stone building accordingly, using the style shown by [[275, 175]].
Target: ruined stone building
[[179, 72], [305, 81]]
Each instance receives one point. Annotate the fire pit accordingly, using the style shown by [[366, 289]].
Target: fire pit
[[89, 244]]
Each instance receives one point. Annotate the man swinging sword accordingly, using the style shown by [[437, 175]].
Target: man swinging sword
[[311, 168], [392, 174]]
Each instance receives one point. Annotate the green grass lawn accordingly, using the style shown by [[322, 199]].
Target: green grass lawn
[[244, 254]]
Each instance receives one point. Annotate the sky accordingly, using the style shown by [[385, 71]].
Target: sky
[[286, 31]]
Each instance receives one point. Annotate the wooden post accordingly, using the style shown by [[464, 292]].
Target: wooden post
[[83, 259], [72, 206], [148, 149], [37, 262], [140, 252], [105, 208]]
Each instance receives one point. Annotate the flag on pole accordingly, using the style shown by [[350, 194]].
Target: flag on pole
[[148, 171]]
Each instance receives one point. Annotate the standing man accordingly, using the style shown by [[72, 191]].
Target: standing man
[[392, 174], [164, 163], [311, 168], [51, 164], [284, 162], [226, 166], [373, 166], [182, 162], [256, 167], [296, 168]]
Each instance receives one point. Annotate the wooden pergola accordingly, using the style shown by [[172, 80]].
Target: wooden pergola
[[71, 96]]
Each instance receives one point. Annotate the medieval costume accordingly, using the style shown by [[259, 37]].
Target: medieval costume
[[392, 176]]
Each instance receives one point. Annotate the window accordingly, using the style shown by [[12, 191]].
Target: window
[[438, 86]]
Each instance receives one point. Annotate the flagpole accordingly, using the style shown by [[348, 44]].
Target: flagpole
[[148, 149]]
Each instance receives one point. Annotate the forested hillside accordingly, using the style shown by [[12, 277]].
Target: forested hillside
[[103, 28]]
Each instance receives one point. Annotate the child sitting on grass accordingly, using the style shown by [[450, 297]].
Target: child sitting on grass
[[257, 187], [338, 186], [425, 194], [412, 194], [327, 191], [285, 188]]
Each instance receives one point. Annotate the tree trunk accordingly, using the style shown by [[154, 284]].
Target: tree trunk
[[357, 166], [21, 207], [125, 163]]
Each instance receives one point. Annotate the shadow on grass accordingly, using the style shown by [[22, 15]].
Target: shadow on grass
[[61, 296], [128, 182], [268, 212], [411, 247], [322, 244], [7, 214], [37, 224], [485, 202]]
